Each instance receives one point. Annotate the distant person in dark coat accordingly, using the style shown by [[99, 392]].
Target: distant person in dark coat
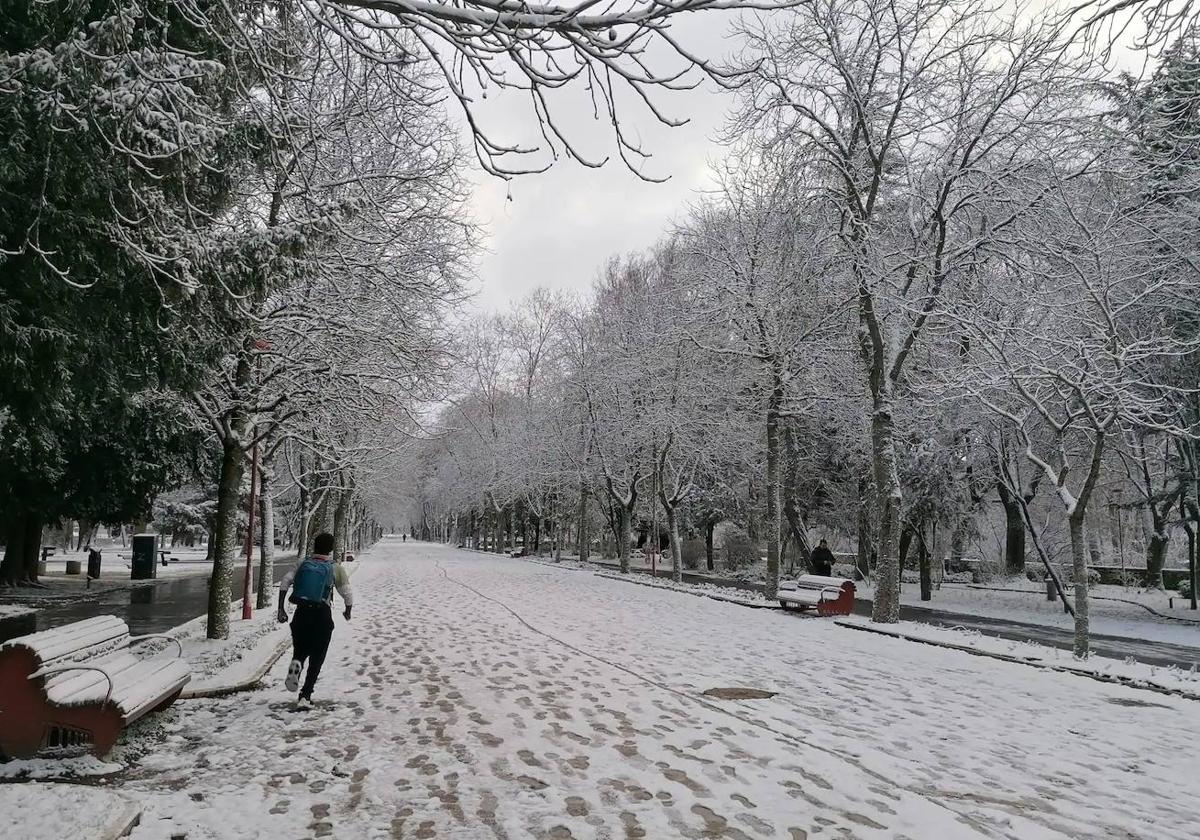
[[821, 561]]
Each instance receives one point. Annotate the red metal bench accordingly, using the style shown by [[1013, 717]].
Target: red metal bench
[[74, 688], [826, 595]]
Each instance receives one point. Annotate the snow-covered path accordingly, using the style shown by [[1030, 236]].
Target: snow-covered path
[[481, 697]]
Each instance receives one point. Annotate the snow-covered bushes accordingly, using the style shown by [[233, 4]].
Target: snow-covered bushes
[[739, 550], [692, 553], [1185, 588], [985, 572]]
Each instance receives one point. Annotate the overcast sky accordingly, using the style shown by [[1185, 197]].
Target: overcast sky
[[561, 226]]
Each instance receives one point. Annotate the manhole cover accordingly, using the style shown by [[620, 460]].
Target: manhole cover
[[739, 693]]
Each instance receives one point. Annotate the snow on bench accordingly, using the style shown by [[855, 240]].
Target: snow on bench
[[77, 686], [827, 595]]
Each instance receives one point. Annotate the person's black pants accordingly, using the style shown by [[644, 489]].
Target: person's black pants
[[312, 628]]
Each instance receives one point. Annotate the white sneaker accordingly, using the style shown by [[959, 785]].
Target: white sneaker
[[303, 703], [293, 676]]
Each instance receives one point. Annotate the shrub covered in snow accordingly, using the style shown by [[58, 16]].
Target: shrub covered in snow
[[985, 572], [1184, 588], [692, 553], [739, 550]]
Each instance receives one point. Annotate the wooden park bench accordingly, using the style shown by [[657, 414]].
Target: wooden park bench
[[74, 688], [827, 595]]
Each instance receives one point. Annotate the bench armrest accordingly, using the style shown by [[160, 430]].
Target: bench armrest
[[178, 644], [60, 669]]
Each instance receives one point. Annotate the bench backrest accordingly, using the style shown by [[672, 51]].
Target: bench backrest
[[822, 582], [76, 642]]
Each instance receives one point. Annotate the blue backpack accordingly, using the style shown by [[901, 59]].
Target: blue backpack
[[313, 583]]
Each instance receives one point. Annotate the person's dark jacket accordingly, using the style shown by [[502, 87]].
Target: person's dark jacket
[[821, 561]]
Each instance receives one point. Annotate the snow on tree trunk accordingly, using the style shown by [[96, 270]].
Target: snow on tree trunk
[[1156, 555], [229, 493], [886, 608], [676, 548], [266, 562]]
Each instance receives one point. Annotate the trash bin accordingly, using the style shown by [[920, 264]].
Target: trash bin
[[74, 567], [94, 563], [1051, 589], [145, 557]]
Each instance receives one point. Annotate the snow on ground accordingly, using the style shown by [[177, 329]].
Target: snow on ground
[[55, 811], [480, 697], [721, 593], [56, 768], [1175, 679], [1107, 617], [216, 662], [13, 610]]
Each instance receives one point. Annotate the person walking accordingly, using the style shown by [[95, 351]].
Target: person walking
[[312, 583], [821, 561]]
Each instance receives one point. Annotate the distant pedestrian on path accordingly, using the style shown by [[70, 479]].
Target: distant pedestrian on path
[[312, 584], [821, 561]]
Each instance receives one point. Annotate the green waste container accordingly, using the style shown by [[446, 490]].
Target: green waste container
[[145, 556]]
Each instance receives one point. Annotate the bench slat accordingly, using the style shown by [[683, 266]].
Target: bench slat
[[138, 684], [74, 642]]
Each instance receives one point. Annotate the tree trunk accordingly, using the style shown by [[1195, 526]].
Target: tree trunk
[[34, 526], [624, 528], [14, 550], [886, 608], [1079, 568], [229, 494], [906, 538], [676, 546], [1156, 555], [1014, 531], [925, 566], [305, 517], [339, 523], [772, 521], [709, 526], [582, 535], [266, 557], [863, 560]]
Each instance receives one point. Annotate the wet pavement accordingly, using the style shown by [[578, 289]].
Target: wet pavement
[[146, 608]]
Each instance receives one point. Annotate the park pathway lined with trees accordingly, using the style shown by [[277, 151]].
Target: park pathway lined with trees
[[481, 697]]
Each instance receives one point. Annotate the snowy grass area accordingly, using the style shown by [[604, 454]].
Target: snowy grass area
[[710, 590], [116, 564], [1107, 617], [56, 811], [13, 610], [473, 698], [1135, 674]]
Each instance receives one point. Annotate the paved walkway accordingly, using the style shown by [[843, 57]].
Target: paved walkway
[[480, 697]]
